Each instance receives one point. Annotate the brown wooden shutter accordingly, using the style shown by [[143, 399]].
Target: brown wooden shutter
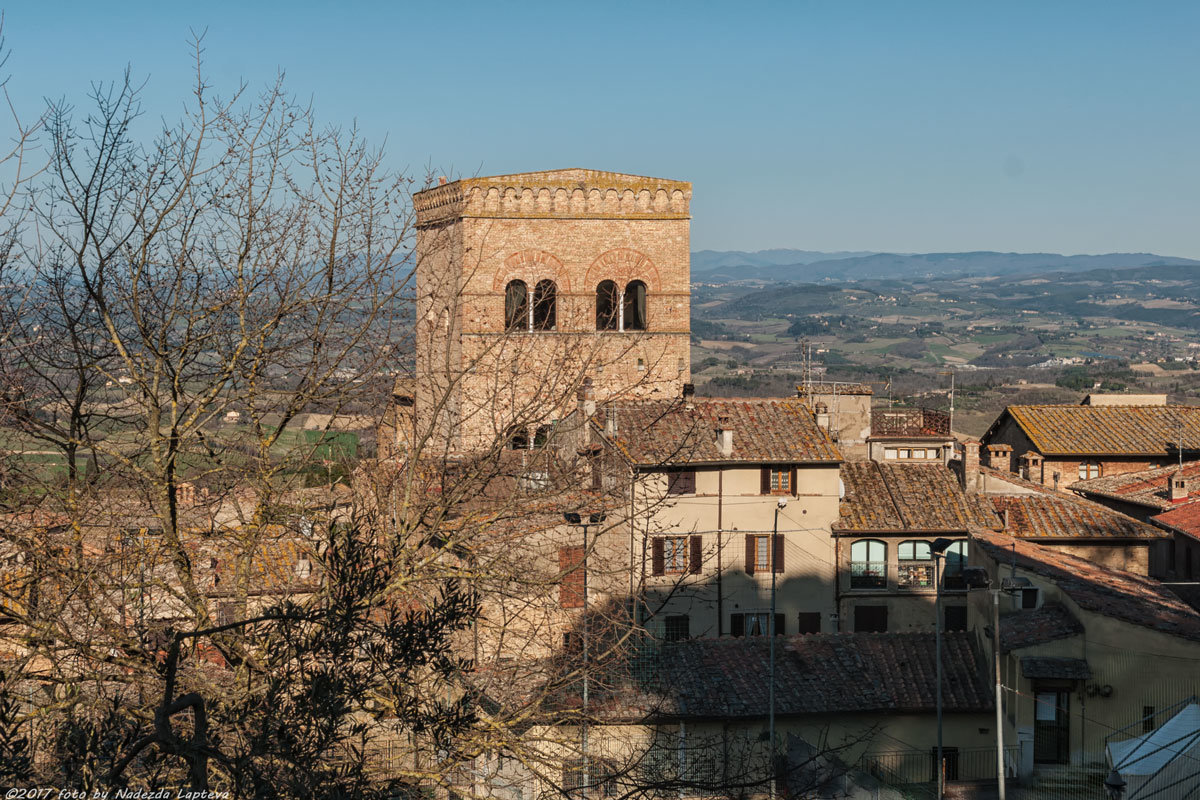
[[658, 564], [766, 480], [737, 625], [697, 554], [777, 552], [749, 554], [795, 488], [780, 625]]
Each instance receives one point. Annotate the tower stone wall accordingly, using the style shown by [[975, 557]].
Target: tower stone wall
[[478, 380]]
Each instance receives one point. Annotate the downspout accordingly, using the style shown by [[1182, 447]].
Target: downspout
[[720, 547], [837, 582]]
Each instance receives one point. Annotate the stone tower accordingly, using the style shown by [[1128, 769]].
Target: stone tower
[[528, 284]]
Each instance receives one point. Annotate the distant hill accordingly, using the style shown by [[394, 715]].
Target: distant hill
[[808, 266]]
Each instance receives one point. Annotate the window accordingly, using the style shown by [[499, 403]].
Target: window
[[956, 618], [607, 310], [676, 555], [516, 306], [809, 622], [868, 564], [1029, 598], [1089, 469], [956, 561], [761, 556], [571, 565], [545, 302], [681, 482], [755, 623], [541, 436], [915, 570], [870, 619], [676, 628], [1147, 719], [778, 480], [634, 311], [226, 613]]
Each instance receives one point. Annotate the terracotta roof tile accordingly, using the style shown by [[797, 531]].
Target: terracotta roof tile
[[1028, 628], [1108, 430], [652, 433], [1101, 590], [1071, 669], [1045, 516], [1146, 487], [1184, 519], [815, 674], [907, 497]]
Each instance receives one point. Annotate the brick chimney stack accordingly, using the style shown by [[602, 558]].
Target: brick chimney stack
[[999, 457], [1178, 488], [970, 467], [724, 436], [587, 399]]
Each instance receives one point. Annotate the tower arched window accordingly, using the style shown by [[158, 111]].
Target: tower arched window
[[634, 316], [608, 307], [545, 306], [516, 306]]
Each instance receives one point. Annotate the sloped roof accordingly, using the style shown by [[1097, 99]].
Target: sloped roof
[[673, 432], [1184, 518], [1072, 669], [1147, 487], [1044, 516], [1062, 430], [815, 674], [887, 497], [1049, 623], [1109, 592]]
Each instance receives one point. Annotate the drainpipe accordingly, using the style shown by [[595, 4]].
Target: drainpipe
[[720, 547]]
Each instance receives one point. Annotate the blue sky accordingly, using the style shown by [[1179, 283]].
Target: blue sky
[[918, 126]]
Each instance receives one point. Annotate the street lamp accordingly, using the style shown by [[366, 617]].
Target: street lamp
[[1007, 586], [779, 506], [1114, 784], [975, 578], [578, 520]]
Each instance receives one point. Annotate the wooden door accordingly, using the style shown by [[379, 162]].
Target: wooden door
[[1051, 727]]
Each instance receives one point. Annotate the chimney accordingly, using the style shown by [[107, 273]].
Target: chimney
[[724, 436], [999, 457], [1178, 489], [822, 415], [185, 495], [610, 422], [441, 180], [689, 396], [970, 467], [587, 398]]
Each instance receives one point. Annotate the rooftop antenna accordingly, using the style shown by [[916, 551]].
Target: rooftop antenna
[[806, 369], [951, 374]]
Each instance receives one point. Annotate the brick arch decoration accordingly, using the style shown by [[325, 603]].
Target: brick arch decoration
[[531, 266], [623, 265]]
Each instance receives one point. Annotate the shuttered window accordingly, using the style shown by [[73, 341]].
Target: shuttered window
[[761, 556], [570, 589], [681, 482], [676, 555]]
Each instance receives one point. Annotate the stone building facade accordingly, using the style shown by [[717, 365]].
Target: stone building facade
[[526, 284]]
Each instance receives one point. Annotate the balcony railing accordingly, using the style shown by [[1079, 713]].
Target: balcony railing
[[915, 575], [868, 575], [909, 422]]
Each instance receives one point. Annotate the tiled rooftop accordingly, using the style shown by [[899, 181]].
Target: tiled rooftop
[[907, 497], [1062, 430], [1185, 519], [655, 433], [1110, 592], [1070, 669], [815, 674], [1045, 516], [1147, 487], [1028, 628]]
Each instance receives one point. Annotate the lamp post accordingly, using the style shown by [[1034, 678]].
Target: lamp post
[[779, 506], [1007, 586], [576, 519]]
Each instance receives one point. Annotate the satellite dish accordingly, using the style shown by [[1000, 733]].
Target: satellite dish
[[841, 489]]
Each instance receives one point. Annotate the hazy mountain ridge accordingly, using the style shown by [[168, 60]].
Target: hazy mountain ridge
[[809, 266]]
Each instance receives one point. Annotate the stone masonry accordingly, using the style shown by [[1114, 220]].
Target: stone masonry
[[476, 382]]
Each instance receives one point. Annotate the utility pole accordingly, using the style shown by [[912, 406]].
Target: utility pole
[[780, 506], [951, 374]]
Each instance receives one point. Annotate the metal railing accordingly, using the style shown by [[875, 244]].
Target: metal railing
[[915, 575], [909, 422], [868, 575], [916, 767]]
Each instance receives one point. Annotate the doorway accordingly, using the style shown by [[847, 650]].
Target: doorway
[[1051, 726]]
